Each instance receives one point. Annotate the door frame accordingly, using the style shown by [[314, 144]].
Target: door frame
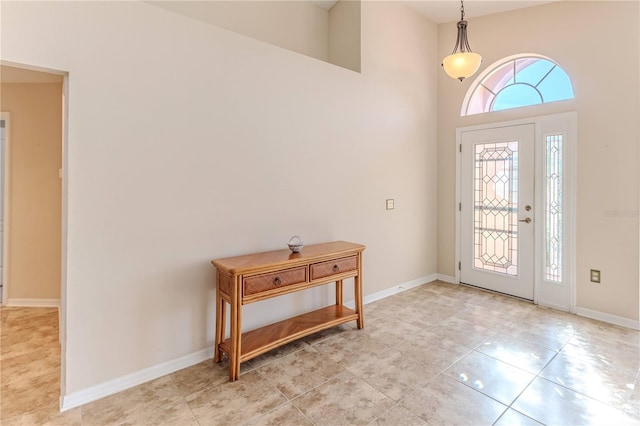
[[542, 124], [6, 158], [64, 176]]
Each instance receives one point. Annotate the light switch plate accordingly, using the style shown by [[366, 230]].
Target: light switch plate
[[390, 204]]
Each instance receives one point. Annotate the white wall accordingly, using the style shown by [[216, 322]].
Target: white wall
[[586, 39], [300, 26], [188, 143]]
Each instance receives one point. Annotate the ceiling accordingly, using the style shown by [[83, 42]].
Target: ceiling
[[440, 11]]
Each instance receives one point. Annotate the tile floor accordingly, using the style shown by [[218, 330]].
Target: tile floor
[[436, 354]]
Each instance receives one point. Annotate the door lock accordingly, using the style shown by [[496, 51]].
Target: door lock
[[527, 208]]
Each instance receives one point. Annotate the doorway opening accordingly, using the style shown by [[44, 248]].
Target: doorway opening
[[516, 208], [34, 110]]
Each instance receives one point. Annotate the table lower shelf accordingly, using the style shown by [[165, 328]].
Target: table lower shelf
[[261, 340]]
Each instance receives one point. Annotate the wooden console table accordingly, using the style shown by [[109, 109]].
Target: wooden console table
[[254, 277]]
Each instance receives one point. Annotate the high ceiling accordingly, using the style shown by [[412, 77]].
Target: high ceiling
[[440, 11]]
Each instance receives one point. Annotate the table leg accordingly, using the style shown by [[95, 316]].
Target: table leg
[[358, 293], [339, 292], [239, 330], [234, 349], [220, 326]]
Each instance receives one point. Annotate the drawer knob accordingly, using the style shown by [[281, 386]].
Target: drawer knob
[[336, 268], [277, 281]]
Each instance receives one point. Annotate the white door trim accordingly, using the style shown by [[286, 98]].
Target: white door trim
[[6, 116], [542, 124]]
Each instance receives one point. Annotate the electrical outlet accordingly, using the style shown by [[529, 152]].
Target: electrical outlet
[[390, 204], [595, 276]]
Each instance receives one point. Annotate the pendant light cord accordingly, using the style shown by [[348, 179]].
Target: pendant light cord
[[462, 10]]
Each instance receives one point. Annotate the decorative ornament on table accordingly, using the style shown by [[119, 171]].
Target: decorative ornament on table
[[295, 244]]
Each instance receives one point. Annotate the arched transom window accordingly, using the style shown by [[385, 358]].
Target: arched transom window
[[517, 81]]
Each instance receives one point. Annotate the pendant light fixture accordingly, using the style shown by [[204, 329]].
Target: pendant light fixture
[[462, 63]]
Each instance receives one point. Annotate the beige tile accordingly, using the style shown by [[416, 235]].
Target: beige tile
[[454, 300], [513, 418], [18, 319], [582, 375], [548, 317], [29, 395], [491, 377], [20, 312], [436, 313], [550, 403], [471, 295], [550, 337], [29, 365], [388, 305], [407, 339], [440, 287], [350, 347], [524, 355], [135, 404], [632, 407], [398, 416], [53, 416], [344, 400], [16, 343], [13, 421], [604, 354], [461, 331], [509, 305], [422, 316], [297, 373], [178, 414], [284, 415], [389, 330], [597, 331], [493, 319], [433, 351], [171, 414], [242, 401], [393, 373], [203, 375], [446, 401]]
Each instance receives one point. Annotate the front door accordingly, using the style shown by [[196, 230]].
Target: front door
[[496, 209]]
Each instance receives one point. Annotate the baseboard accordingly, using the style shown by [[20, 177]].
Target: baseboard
[[85, 396], [446, 278], [33, 303], [394, 290], [612, 319]]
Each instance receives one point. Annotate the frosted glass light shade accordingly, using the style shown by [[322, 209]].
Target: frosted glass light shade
[[461, 65]]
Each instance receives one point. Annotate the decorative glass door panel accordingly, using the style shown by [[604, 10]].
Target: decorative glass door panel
[[497, 209]]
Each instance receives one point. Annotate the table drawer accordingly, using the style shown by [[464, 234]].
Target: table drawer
[[333, 267], [266, 282]]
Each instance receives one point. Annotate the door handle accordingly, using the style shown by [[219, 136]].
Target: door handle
[[526, 220]]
